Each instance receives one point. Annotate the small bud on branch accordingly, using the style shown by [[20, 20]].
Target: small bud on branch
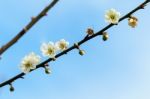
[[132, 21], [11, 88], [105, 36], [81, 52], [47, 70], [90, 31]]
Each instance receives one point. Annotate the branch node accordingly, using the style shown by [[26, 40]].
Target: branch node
[[33, 18], [44, 14], [143, 6], [22, 77], [76, 45], [46, 64], [54, 58], [25, 29]]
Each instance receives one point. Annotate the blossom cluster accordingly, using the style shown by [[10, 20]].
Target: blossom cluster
[[50, 49], [30, 61]]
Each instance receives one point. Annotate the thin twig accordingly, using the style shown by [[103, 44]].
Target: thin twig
[[27, 27], [74, 47]]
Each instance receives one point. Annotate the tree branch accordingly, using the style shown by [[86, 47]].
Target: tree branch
[[27, 27], [74, 47]]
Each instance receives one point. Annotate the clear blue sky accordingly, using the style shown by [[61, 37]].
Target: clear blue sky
[[116, 69]]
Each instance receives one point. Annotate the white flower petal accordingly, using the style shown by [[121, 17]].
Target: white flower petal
[[112, 16], [29, 62], [48, 49], [62, 44]]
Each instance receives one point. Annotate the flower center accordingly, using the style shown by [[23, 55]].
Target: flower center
[[50, 51], [62, 46], [28, 64], [112, 17]]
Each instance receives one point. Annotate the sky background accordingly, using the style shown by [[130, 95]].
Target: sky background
[[116, 69]]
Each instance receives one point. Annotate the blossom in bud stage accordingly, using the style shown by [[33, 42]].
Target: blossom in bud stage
[[62, 44], [132, 21], [47, 70], [81, 52], [90, 31], [48, 49], [11, 88], [29, 62], [112, 16], [105, 36]]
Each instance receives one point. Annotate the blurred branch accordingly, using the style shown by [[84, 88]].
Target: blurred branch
[[141, 6], [27, 27]]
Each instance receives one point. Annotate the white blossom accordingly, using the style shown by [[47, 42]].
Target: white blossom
[[48, 49], [62, 45], [29, 62], [112, 16]]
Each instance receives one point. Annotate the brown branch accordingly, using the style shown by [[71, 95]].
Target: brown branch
[[27, 27], [74, 47]]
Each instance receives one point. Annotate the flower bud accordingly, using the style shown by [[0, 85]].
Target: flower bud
[[81, 52], [105, 36], [76, 45], [90, 31], [47, 70], [132, 21], [11, 88]]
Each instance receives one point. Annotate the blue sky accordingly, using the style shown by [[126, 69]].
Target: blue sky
[[116, 69]]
